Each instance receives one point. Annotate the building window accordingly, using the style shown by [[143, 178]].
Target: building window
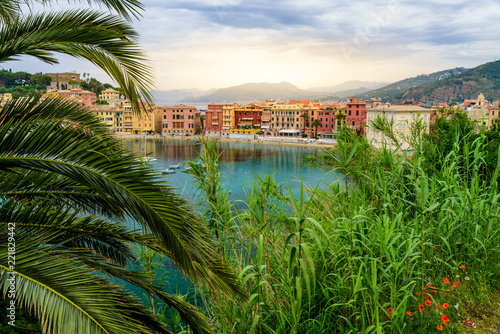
[[165, 126], [352, 123]]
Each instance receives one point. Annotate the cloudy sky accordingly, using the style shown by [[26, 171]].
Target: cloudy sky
[[218, 43]]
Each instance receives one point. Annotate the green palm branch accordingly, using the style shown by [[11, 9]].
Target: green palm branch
[[106, 41], [95, 171], [56, 150], [72, 190], [125, 8], [68, 263]]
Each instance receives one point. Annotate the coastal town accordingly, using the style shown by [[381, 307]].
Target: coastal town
[[293, 120]]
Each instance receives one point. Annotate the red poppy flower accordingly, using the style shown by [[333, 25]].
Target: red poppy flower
[[462, 266], [446, 280], [454, 285], [389, 310], [453, 296], [408, 313], [458, 283], [445, 306], [421, 307], [428, 297], [444, 318], [439, 328], [428, 303]]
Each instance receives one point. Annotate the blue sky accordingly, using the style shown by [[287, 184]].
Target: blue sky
[[208, 44]]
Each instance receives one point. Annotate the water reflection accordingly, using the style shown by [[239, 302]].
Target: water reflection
[[240, 161]]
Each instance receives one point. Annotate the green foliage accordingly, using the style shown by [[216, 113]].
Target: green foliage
[[40, 80], [64, 177], [15, 78], [92, 85], [355, 258]]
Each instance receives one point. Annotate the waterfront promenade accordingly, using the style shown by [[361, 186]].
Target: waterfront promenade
[[304, 142]]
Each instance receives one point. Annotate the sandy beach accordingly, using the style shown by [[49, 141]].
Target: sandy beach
[[254, 141]]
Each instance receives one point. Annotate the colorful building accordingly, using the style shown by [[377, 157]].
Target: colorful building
[[213, 119], [356, 114], [111, 96], [247, 119], [84, 97], [135, 122], [107, 115], [228, 119], [178, 120], [5, 97]]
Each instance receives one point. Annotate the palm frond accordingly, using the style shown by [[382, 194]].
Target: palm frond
[[68, 297], [121, 183], [105, 40], [125, 8], [9, 11]]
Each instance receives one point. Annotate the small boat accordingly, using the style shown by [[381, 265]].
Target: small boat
[[188, 168], [152, 159], [174, 166], [168, 171]]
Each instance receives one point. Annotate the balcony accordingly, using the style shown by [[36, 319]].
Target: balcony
[[246, 123]]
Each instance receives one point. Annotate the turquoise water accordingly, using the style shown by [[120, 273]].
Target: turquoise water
[[239, 162]]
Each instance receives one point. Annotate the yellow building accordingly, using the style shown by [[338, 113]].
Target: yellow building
[[111, 96], [138, 121], [402, 118], [228, 119], [107, 115], [5, 97]]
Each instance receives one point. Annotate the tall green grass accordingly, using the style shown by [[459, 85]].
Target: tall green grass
[[355, 258]]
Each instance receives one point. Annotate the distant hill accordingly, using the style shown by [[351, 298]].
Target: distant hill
[[389, 92], [256, 92], [468, 85], [173, 96], [349, 87]]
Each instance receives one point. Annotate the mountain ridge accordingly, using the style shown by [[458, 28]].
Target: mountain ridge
[[389, 92]]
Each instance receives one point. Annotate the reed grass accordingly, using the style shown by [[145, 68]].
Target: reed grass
[[361, 256]]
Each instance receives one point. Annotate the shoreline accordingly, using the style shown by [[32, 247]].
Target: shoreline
[[249, 141]]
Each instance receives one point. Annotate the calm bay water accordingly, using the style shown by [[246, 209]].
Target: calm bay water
[[239, 162]]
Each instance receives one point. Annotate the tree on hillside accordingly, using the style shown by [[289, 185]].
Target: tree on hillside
[[40, 80], [71, 191]]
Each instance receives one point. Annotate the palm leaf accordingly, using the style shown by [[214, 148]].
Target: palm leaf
[[125, 8], [106, 41], [113, 180], [67, 296], [90, 243]]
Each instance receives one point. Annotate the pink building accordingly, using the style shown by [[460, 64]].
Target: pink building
[[213, 118], [82, 96], [356, 114], [326, 115], [178, 120]]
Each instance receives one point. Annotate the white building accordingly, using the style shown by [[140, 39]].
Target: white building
[[401, 116]]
